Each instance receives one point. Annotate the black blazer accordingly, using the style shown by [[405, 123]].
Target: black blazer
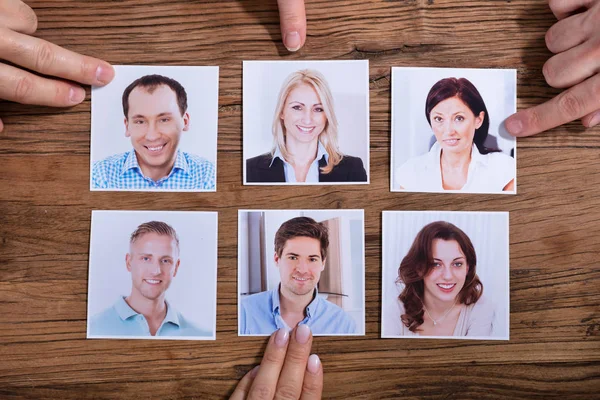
[[350, 169]]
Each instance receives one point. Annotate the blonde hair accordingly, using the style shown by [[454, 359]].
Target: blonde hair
[[328, 137]]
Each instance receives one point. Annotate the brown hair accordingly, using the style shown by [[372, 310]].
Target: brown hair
[[469, 95], [302, 227], [150, 83], [157, 227], [418, 262]]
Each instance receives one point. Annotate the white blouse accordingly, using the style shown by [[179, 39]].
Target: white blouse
[[487, 173]]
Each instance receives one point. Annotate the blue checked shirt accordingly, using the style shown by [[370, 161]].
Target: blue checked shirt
[[260, 314], [122, 171]]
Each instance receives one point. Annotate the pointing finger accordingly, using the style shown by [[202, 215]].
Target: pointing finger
[[292, 18]]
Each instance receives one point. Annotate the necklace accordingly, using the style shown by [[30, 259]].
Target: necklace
[[441, 319]]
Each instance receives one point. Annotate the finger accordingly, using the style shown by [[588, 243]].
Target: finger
[[291, 377], [1, 126], [265, 382], [241, 390], [572, 66], [571, 104], [567, 33], [50, 59], [312, 389], [26, 88], [18, 16], [292, 19], [564, 8], [592, 119]]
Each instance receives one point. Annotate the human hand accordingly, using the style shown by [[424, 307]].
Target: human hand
[[292, 20], [575, 41], [286, 371], [17, 23]]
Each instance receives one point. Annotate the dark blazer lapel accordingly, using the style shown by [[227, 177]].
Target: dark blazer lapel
[[274, 173]]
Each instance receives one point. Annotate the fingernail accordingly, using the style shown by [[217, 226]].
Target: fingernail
[[313, 364], [76, 95], [281, 338], [302, 333], [514, 126], [104, 74], [291, 41], [254, 371], [595, 120]]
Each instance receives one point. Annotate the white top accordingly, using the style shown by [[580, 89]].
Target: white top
[[488, 173], [313, 172], [474, 320]]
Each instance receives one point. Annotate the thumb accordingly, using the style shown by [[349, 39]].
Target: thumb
[[292, 19]]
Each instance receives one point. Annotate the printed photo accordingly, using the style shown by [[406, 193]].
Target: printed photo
[[155, 129], [153, 275], [445, 275], [301, 267], [448, 130], [306, 122]]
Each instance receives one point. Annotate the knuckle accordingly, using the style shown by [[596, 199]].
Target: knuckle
[[261, 391], [287, 392], [44, 56], [311, 386], [570, 105], [272, 357], [23, 89], [296, 357], [534, 120]]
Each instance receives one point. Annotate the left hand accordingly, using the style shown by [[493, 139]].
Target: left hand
[[292, 19], [575, 41], [286, 370]]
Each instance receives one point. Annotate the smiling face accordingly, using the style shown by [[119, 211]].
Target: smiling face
[[300, 265], [303, 115], [155, 124], [454, 125], [447, 276], [153, 260]]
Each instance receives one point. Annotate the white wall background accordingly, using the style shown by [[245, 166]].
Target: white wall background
[[349, 84], [411, 133], [194, 288], [488, 232], [202, 87], [352, 258]]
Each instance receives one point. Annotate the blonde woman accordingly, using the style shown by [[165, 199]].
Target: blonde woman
[[305, 137]]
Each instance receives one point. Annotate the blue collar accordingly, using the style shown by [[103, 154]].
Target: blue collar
[[125, 311], [311, 309], [131, 162]]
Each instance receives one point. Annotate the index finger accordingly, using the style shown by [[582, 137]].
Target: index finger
[[292, 374], [571, 104], [49, 59], [292, 19]]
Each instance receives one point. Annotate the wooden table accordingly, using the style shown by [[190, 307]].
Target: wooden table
[[45, 209]]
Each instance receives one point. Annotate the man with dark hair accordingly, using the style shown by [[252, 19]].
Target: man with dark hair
[[300, 252], [153, 261], [155, 111]]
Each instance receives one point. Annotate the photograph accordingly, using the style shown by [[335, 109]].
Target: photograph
[[154, 128], [445, 275], [301, 267], [448, 133], [306, 122], [152, 275]]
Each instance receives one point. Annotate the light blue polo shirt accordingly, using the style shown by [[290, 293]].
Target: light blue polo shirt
[[260, 314], [122, 320]]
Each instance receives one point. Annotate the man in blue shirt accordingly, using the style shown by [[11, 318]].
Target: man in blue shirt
[[155, 109], [153, 261], [300, 252]]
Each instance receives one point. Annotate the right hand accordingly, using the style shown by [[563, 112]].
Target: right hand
[[286, 370], [17, 23]]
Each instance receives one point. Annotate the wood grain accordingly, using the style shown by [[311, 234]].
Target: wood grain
[[45, 209]]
